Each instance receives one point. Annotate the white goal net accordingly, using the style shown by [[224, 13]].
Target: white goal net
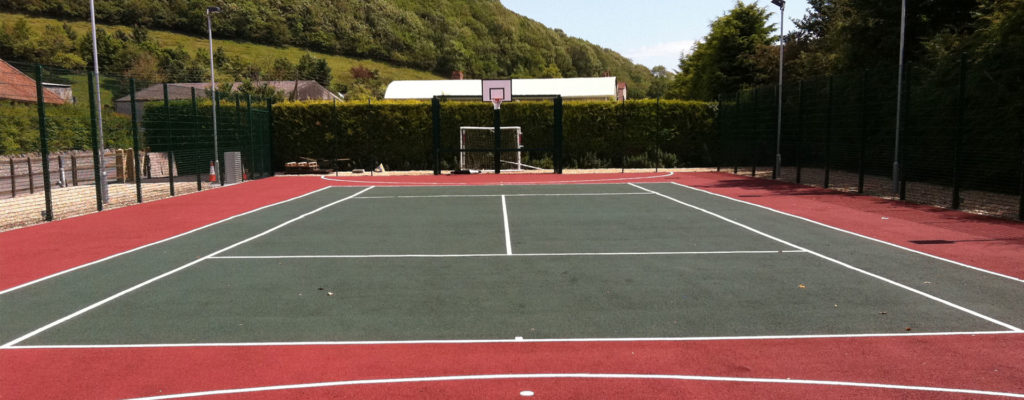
[[477, 147]]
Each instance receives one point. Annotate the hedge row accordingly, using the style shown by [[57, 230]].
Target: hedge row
[[642, 133]]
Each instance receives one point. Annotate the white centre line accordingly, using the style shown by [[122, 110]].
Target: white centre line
[[843, 264], [168, 273], [508, 237]]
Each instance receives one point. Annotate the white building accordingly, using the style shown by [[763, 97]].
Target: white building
[[568, 88]]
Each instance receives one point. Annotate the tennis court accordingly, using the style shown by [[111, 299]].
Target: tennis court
[[624, 263]]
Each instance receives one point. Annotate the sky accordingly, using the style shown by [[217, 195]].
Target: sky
[[649, 32]]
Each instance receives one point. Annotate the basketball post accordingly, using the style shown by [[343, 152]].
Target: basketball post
[[495, 91], [497, 134]]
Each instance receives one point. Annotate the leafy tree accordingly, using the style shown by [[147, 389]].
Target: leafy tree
[[281, 69], [841, 35], [730, 57], [662, 78], [314, 69]]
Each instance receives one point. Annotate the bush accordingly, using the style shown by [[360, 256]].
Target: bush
[[399, 134]]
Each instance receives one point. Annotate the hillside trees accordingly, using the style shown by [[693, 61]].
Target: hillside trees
[[479, 37]]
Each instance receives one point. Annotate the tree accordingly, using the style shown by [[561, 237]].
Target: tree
[[314, 69], [843, 35], [661, 81], [730, 57]]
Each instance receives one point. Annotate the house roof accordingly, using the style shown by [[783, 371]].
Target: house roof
[[15, 85], [569, 88], [303, 90]]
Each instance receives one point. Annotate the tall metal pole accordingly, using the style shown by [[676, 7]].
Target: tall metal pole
[[899, 102], [778, 133], [102, 183], [213, 91]]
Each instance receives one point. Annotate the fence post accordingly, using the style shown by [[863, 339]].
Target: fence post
[[13, 190], [195, 122], [170, 134], [863, 130], [559, 135], [74, 169], [270, 138], [753, 143], [135, 142], [96, 156], [657, 136], [252, 147], [31, 181], [799, 128], [828, 136], [44, 146], [735, 138], [718, 127], [435, 128], [961, 105]]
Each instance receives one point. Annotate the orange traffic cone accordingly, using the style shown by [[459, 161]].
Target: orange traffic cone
[[213, 173]]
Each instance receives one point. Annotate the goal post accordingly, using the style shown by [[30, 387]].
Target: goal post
[[476, 147], [462, 140]]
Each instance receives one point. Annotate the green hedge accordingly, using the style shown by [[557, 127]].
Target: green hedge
[[67, 126], [596, 134]]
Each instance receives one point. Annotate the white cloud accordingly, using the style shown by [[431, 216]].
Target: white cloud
[[664, 53]]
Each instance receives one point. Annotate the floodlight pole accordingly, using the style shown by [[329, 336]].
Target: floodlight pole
[[102, 183], [778, 134], [213, 92], [899, 102]]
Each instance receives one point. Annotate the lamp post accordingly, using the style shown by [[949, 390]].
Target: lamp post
[[213, 92], [102, 182], [899, 102], [778, 134]]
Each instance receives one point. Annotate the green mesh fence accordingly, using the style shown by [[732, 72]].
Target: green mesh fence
[[961, 138], [48, 166]]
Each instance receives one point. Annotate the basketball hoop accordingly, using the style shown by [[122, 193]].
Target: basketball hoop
[[497, 102]]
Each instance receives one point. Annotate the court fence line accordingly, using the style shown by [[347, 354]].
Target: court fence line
[[960, 139], [158, 140]]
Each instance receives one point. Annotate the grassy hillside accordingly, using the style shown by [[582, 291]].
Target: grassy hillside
[[480, 37], [340, 65]]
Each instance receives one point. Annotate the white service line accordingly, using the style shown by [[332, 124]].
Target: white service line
[[1013, 278], [460, 184], [168, 273], [157, 242], [785, 381], [527, 340], [843, 264], [501, 195], [508, 236], [509, 253]]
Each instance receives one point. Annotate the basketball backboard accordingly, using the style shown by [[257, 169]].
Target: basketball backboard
[[496, 88]]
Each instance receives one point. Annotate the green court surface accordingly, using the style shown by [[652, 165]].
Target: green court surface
[[498, 262]]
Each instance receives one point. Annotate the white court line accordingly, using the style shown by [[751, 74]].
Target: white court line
[[511, 183], [508, 237], [1013, 278], [168, 273], [502, 195], [843, 264], [704, 378], [507, 254], [498, 341], [155, 243]]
